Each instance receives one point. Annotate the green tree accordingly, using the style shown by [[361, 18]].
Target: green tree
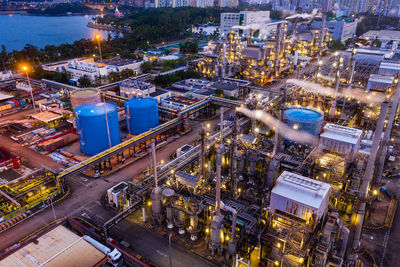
[[146, 67], [84, 81]]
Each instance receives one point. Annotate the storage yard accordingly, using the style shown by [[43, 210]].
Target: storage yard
[[236, 170]]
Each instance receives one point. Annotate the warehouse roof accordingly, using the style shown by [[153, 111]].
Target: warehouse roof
[[341, 133], [59, 247], [381, 79], [46, 116], [4, 96], [301, 189]]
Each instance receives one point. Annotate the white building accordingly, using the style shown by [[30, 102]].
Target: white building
[[136, 88], [93, 70], [244, 18], [6, 75], [60, 66], [379, 83], [339, 29], [389, 68], [340, 139], [260, 30], [384, 36], [299, 196]]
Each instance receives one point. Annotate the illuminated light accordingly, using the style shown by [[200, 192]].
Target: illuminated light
[[97, 36], [301, 260], [162, 161], [149, 203], [222, 236], [295, 126], [172, 171], [375, 192], [276, 263], [239, 190], [206, 165], [256, 130], [279, 245], [207, 230], [208, 125]]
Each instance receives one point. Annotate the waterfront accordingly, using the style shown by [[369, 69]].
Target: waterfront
[[18, 30]]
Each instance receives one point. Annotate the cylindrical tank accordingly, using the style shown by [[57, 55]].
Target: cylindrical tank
[[84, 96], [304, 119], [96, 131], [141, 114]]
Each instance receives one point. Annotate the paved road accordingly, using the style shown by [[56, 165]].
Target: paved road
[[87, 193], [150, 244]]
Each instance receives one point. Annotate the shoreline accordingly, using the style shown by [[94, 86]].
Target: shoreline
[[25, 13]]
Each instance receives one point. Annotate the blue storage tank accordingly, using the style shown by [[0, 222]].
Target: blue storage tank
[[304, 119], [141, 114], [92, 127]]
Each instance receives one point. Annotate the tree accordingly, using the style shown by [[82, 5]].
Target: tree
[[219, 92], [126, 73], [146, 67], [337, 45], [215, 35], [84, 81]]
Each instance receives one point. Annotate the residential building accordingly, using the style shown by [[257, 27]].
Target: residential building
[[244, 18], [339, 29]]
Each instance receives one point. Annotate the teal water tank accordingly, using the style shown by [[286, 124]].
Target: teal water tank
[[304, 119]]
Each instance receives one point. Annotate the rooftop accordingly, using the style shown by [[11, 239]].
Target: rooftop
[[46, 116], [58, 247], [301, 189], [4, 96], [158, 92], [341, 133], [117, 61]]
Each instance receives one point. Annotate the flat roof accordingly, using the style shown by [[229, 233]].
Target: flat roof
[[158, 92], [341, 133], [381, 78], [301, 189], [58, 247], [4, 96], [225, 85], [117, 61], [46, 116]]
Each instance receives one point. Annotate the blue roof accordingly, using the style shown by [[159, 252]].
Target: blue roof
[[141, 102], [303, 114], [95, 109]]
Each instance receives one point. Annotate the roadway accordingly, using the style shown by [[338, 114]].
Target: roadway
[[34, 160], [86, 193]]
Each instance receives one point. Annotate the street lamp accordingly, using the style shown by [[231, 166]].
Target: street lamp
[[26, 70], [98, 38]]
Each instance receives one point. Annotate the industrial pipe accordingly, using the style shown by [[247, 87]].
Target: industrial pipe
[[368, 172], [234, 218], [154, 161], [386, 136]]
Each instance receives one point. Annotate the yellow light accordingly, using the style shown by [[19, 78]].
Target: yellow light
[[24, 68], [162, 161], [239, 190], [97, 36], [207, 230], [222, 236], [276, 263], [149, 203], [172, 171], [208, 125], [301, 260], [375, 192]]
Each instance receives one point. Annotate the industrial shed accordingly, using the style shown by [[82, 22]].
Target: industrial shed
[[300, 196], [58, 247]]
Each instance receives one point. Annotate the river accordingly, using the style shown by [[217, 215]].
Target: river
[[18, 30]]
